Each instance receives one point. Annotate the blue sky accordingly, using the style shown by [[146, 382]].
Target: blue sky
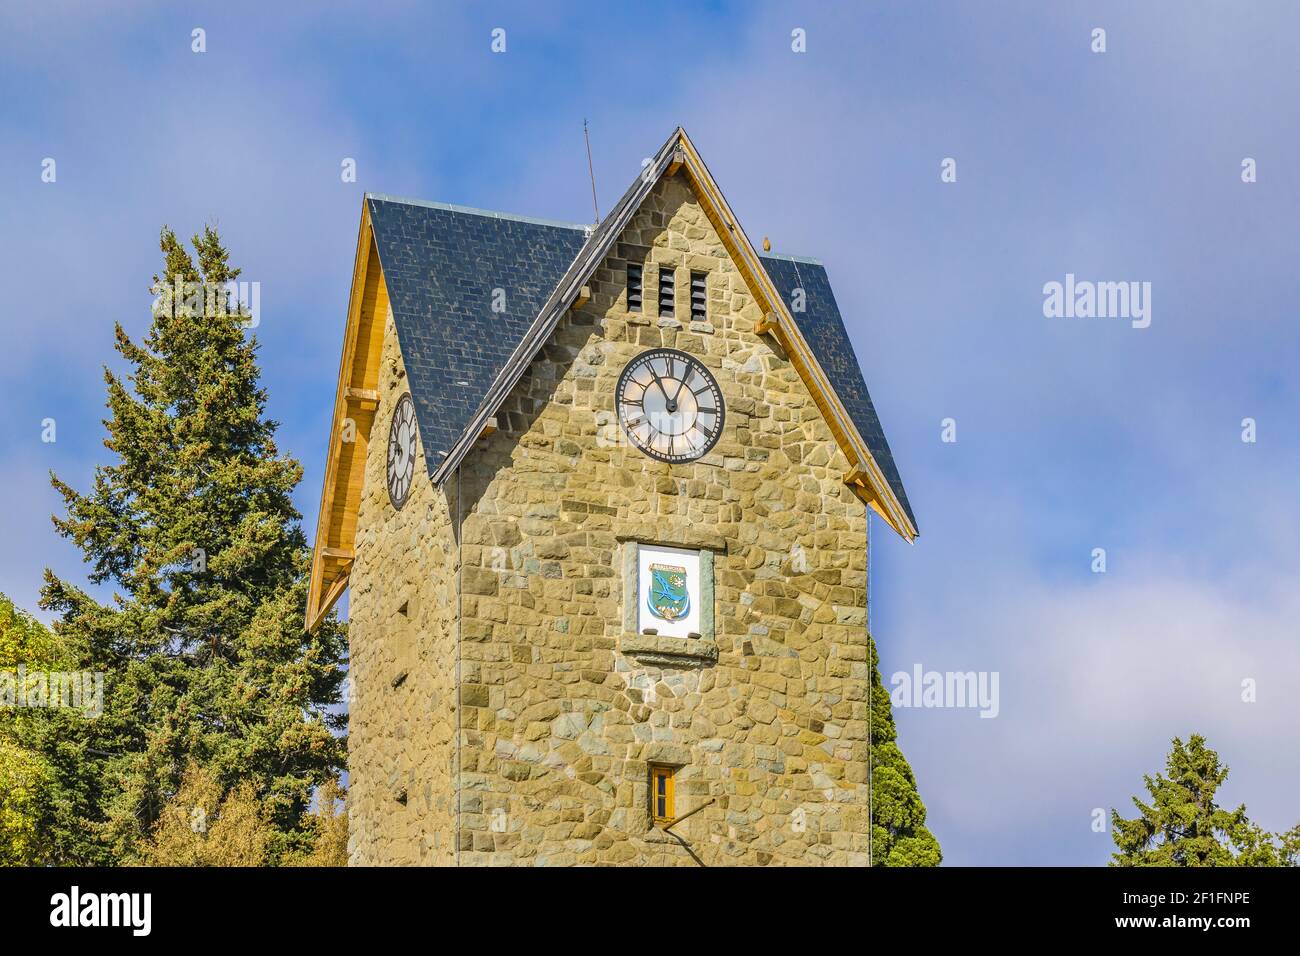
[[1072, 434]]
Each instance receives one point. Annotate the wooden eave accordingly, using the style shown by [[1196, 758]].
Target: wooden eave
[[356, 398]]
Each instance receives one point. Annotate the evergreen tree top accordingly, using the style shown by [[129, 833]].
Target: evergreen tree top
[[195, 513], [1182, 825]]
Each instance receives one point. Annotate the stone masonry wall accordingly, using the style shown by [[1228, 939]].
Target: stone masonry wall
[[402, 609], [558, 725]]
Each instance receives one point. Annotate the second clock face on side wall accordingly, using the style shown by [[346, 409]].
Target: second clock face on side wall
[[401, 451], [669, 405]]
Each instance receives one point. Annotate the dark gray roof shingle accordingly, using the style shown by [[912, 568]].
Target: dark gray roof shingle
[[441, 264]]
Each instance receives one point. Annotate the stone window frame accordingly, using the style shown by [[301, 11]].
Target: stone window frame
[[660, 648]]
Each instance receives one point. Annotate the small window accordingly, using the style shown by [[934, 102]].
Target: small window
[[699, 297], [667, 292], [661, 794], [633, 288]]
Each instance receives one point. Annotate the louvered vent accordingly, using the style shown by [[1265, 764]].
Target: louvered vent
[[633, 288], [699, 297], [667, 292]]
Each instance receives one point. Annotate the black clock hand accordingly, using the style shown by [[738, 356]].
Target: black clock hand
[[680, 385], [672, 402]]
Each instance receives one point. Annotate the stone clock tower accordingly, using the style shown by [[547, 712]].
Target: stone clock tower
[[600, 497]]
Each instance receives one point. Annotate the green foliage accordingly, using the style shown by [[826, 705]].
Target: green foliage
[[329, 824], [898, 833], [25, 775], [45, 786], [203, 649], [23, 639], [203, 826], [1183, 826]]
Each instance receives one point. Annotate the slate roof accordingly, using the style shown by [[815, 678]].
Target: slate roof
[[824, 330], [441, 264]]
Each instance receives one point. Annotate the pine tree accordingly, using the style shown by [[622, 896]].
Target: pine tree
[[202, 645], [898, 833], [1183, 826]]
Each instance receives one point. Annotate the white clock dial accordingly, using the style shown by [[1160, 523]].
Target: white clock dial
[[669, 405], [401, 451]]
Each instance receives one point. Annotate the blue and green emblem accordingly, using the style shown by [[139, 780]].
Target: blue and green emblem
[[668, 599]]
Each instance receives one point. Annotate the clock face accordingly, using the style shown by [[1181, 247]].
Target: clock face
[[401, 451], [669, 405]]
